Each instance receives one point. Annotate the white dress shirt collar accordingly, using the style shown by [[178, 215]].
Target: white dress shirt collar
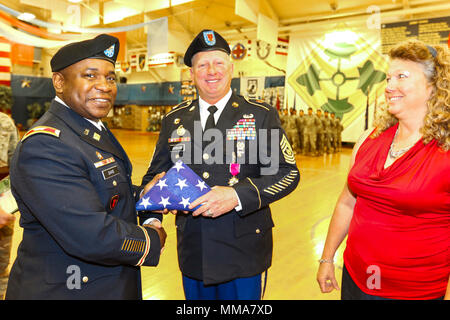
[[203, 105], [99, 125]]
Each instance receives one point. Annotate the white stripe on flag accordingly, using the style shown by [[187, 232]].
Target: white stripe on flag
[[5, 62], [5, 76], [6, 47]]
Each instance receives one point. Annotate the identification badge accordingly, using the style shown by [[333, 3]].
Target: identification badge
[[110, 172], [177, 147]]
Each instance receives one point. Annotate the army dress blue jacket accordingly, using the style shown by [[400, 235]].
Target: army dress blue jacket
[[239, 243], [81, 240]]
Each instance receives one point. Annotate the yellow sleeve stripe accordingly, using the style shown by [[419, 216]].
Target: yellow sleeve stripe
[[259, 196], [282, 184], [147, 247]]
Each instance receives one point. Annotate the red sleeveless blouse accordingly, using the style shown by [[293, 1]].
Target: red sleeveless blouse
[[398, 243]]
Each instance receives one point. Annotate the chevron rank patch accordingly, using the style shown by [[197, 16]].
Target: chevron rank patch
[[287, 151], [42, 129]]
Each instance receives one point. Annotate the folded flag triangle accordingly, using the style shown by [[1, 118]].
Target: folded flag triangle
[[179, 187]]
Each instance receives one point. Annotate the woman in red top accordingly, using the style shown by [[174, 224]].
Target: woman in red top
[[395, 207]]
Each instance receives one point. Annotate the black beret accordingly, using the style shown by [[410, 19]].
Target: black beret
[[207, 40], [103, 46]]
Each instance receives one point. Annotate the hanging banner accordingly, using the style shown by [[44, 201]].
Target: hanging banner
[[22, 54], [142, 62], [5, 62], [238, 51], [431, 31], [282, 46], [338, 73], [158, 36], [252, 87], [27, 39], [161, 60]]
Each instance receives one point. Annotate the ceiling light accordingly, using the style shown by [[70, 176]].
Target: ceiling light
[[75, 1], [26, 16]]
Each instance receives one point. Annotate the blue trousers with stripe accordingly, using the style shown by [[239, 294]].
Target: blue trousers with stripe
[[249, 288]]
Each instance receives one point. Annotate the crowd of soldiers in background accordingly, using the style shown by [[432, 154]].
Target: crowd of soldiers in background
[[312, 134]]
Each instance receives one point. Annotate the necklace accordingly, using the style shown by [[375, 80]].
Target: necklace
[[395, 154]]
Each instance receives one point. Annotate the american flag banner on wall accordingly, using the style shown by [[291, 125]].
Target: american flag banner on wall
[[282, 46], [5, 62]]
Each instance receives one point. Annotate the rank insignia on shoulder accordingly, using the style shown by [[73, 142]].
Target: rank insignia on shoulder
[[42, 129], [287, 151]]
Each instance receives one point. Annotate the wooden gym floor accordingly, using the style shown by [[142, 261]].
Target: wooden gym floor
[[301, 222]]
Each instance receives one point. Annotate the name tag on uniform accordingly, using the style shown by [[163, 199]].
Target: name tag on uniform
[[177, 148], [110, 172]]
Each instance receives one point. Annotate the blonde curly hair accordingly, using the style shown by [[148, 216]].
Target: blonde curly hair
[[435, 61]]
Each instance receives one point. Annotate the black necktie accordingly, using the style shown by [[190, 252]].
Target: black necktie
[[210, 123]]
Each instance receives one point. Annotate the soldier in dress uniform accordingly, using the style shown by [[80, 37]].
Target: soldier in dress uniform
[[225, 246], [72, 182]]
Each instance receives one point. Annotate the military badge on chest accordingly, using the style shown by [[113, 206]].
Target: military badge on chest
[[244, 130]]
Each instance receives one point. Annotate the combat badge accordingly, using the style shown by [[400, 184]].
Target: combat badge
[[113, 201], [181, 131]]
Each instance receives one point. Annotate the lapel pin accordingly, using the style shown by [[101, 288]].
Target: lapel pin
[[96, 136]]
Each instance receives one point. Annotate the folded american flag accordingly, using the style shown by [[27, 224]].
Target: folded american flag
[[179, 187]]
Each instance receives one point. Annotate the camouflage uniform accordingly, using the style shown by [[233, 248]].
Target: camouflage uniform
[[300, 122], [9, 137], [292, 132], [309, 133], [338, 127], [328, 132], [320, 132], [283, 117]]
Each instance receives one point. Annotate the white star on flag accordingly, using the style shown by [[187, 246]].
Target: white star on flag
[[145, 202], [201, 185], [185, 202], [161, 183], [164, 201], [181, 183], [179, 187], [178, 166]]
